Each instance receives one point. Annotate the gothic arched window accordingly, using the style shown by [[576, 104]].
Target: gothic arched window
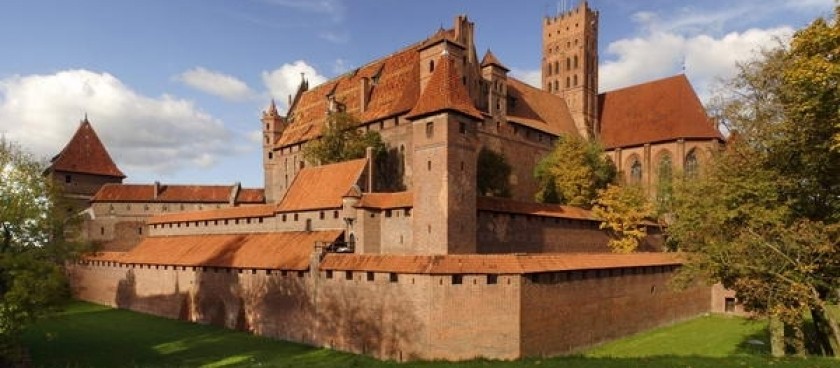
[[635, 171], [691, 164]]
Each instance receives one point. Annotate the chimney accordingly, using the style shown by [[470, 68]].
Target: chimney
[[156, 190], [234, 192], [365, 93]]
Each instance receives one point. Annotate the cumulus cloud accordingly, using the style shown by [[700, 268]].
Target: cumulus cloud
[[665, 48], [153, 134], [284, 81], [216, 83]]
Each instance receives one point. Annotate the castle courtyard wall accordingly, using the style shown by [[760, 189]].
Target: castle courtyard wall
[[401, 316]]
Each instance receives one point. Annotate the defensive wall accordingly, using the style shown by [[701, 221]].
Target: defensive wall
[[410, 307]]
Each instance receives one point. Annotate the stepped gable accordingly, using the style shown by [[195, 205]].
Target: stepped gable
[[490, 59], [275, 251], [538, 109], [445, 92], [494, 263], [85, 154], [322, 187], [662, 110], [176, 193], [393, 88]]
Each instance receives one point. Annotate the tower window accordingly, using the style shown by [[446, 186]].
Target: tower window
[[567, 82], [568, 63], [556, 67], [67, 178], [576, 80], [462, 127], [431, 66], [430, 129], [270, 155], [576, 62]]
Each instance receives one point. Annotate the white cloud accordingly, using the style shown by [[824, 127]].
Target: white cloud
[[154, 134], [216, 83], [663, 51], [284, 81], [532, 77], [340, 66]]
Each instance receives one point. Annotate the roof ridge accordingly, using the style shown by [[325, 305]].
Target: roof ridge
[[85, 153]]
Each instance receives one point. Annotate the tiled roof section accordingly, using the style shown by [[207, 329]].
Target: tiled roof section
[[445, 92], [266, 210], [394, 88], [504, 205], [495, 263], [251, 195], [86, 154], [175, 193], [281, 250], [538, 109], [321, 186], [661, 110], [387, 200], [490, 59]]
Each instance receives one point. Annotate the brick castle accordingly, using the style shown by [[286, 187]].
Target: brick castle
[[422, 265]]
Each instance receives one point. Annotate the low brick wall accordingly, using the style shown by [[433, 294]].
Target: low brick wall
[[402, 316]]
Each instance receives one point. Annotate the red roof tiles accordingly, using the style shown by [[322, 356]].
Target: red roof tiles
[[176, 193], [490, 59], [539, 109], [505, 205], [387, 200], [321, 186], [495, 263], [661, 110], [284, 250], [266, 210], [85, 153], [445, 92]]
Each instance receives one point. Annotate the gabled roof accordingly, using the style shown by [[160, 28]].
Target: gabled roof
[[85, 154], [538, 109], [280, 250], [444, 92], [321, 187], [176, 193], [495, 263], [394, 88], [661, 110], [490, 59]]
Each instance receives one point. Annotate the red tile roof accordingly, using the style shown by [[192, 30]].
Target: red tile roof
[[445, 92], [104, 256], [538, 109], [176, 193], [495, 263], [266, 210], [490, 59], [321, 186], [505, 205], [282, 250], [387, 200], [394, 89], [86, 154], [661, 110]]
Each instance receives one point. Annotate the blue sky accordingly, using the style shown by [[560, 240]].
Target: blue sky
[[175, 87]]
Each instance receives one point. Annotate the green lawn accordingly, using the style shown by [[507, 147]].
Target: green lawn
[[87, 335]]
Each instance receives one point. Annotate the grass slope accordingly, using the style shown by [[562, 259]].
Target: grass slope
[[88, 335]]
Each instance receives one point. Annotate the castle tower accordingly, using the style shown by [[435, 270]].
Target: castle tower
[[570, 63], [273, 126], [445, 143], [459, 43], [495, 74]]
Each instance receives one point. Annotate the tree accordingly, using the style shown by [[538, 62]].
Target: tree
[[765, 219], [573, 172], [623, 211], [492, 174], [33, 247], [342, 140]]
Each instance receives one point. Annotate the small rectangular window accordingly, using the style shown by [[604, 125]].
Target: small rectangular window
[[296, 217], [462, 127], [388, 213], [492, 279], [67, 178], [370, 276], [335, 214], [430, 129], [321, 215], [393, 277], [329, 274], [457, 279], [348, 275]]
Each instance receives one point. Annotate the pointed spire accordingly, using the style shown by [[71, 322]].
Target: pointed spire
[[86, 154], [272, 109], [490, 59]]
